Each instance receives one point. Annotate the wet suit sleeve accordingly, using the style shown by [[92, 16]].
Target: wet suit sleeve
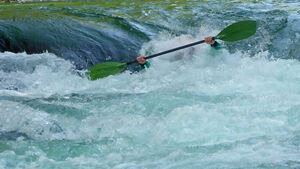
[[216, 45], [146, 65]]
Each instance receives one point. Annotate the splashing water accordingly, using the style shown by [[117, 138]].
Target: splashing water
[[186, 113], [196, 108]]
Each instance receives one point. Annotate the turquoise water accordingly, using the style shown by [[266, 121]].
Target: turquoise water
[[238, 107]]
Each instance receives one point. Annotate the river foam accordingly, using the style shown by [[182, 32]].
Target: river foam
[[205, 109]]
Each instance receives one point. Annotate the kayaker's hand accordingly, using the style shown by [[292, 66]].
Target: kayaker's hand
[[141, 60], [210, 40]]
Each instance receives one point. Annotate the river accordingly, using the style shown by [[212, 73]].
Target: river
[[238, 107]]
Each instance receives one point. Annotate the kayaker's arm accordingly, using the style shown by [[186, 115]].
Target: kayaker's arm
[[216, 45], [210, 40], [143, 62], [146, 65]]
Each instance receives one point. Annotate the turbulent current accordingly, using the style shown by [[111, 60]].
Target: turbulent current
[[237, 107]]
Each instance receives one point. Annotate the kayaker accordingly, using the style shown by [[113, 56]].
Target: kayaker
[[144, 63]]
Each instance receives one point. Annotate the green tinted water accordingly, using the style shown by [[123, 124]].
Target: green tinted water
[[199, 108]]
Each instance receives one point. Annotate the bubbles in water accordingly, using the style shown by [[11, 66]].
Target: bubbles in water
[[199, 105]]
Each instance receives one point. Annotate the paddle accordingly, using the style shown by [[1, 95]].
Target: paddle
[[237, 31]]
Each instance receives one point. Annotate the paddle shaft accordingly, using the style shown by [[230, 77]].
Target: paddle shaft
[[169, 51]]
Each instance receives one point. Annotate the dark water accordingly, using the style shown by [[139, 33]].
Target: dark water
[[87, 33], [238, 107]]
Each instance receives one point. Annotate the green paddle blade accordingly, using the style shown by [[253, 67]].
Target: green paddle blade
[[237, 31], [105, 69]]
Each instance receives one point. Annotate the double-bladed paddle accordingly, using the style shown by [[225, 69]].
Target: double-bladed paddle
[[237, 31]]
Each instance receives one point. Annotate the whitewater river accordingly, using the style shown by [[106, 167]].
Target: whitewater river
[[238, 107]]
